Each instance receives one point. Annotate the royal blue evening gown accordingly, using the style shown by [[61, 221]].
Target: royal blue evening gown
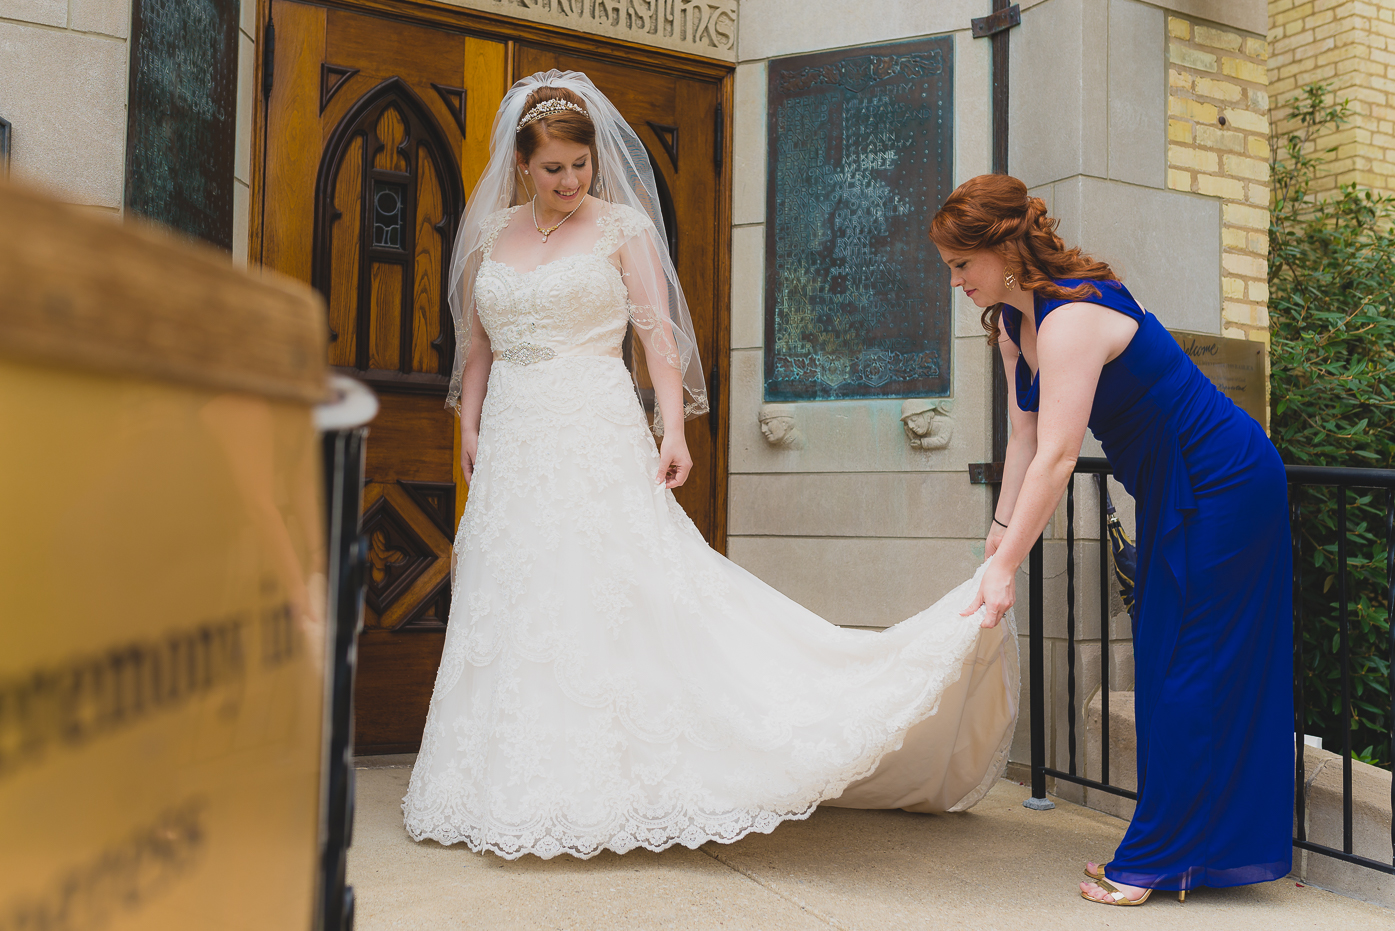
[[1213, 638]]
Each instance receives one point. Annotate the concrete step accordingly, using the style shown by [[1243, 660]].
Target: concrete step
[[1371, 804]]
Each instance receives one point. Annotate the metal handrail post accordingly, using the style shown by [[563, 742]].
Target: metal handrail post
[[1070, 624], [1390, 624], [1344, 656], [1102, 480], [1036, 647]]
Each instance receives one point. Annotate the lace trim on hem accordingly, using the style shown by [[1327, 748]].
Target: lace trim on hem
[[833, 788], [692, 837]]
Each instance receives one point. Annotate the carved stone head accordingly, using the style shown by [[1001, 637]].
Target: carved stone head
[[778, 426], [927, 422]]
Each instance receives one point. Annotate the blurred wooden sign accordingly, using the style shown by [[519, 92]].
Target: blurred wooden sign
[[162, 640], [1236, 366]]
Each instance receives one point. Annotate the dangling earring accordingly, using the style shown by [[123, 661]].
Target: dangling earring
[[1009, 279]]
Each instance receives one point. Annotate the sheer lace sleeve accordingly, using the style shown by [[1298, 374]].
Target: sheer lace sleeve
[[657, 310]]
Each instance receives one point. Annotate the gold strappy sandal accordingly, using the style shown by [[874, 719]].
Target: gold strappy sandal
[[1119, 898], [1096, 876]]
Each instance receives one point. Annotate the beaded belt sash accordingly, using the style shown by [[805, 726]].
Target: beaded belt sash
[[527, 353]]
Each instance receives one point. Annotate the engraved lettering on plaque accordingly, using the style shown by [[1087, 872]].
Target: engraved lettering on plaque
[[1235, 366], [860, 157], [702, 27]]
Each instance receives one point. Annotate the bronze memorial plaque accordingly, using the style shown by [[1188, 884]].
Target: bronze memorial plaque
[[1236, 366], [861, 155]]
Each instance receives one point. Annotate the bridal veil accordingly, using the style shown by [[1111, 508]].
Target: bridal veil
[[624, 175]]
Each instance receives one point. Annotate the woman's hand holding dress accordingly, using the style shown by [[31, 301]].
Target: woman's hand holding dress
[[997, 591]]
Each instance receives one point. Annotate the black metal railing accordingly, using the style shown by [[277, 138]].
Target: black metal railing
[[1299, 477]]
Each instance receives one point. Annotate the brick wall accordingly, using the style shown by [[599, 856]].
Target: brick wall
[[1218, 145], [1349, 45]]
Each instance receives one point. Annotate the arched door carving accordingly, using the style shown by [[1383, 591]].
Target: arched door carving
[[387, 202]]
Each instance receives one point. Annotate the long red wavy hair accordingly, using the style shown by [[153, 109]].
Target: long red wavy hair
[[996, 212]]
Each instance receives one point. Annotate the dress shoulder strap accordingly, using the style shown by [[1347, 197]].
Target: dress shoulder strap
[[492, 226], [619, 224], [1112, 294]]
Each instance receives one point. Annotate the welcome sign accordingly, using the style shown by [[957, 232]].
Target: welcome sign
[[1235, 366]]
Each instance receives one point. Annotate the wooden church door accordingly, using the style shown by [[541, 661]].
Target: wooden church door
[[375, 132]]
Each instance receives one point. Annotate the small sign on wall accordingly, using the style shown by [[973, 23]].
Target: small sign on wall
[[1236, 366]]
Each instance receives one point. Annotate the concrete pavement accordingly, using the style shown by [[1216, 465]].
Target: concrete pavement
[[998, 866]]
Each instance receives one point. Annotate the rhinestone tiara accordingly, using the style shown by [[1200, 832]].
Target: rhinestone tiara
[[549, 107]]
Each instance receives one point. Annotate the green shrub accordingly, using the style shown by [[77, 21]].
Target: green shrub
[[1332, 326]]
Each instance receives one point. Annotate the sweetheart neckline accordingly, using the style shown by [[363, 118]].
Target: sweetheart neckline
[[574, 255]]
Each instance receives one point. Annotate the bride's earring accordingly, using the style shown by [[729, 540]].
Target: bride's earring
[[1009, 279]]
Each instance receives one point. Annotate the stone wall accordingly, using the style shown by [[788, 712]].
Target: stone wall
[[247, 88], [63, 89], [1089, 136], [1349, 45], [63, 86], [856, 525], [1218, 145]]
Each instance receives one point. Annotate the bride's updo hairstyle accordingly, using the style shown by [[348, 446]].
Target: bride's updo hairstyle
[[564, 124], [996, 212]]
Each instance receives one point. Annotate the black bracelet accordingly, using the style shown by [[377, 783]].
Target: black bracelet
[[1000, 523]]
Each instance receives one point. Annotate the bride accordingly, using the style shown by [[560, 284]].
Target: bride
[[608, 681]]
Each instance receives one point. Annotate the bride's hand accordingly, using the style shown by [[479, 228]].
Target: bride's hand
[[996, 593], [674, 461], [469, 449]]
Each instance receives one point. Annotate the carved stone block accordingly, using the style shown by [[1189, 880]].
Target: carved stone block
[[777, 424], [927, 422]]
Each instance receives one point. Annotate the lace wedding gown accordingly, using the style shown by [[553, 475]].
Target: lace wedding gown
[[611, 682]]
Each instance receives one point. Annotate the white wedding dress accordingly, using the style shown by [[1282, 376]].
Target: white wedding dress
[[611, 682]]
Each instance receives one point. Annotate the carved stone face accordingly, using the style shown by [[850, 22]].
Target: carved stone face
[[776, 429], [918, 424]]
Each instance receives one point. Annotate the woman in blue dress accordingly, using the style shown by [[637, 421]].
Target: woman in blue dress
[[1213, 638]]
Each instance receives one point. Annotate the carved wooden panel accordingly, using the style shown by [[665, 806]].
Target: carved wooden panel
[[343, 287], [437, 501], [387, 204], [332, 77], [409, 556], [429, 325]]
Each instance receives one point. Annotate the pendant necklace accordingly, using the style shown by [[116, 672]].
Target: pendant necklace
[[552, 229]]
